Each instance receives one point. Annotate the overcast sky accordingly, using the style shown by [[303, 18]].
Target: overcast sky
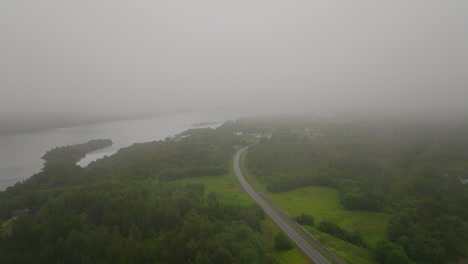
[[93, 55]]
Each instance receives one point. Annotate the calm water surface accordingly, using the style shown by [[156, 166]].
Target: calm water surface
[[20, 153]]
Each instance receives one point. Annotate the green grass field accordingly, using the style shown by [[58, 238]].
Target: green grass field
[[3, 227], [227, 188], [327, 206], [323, 203]]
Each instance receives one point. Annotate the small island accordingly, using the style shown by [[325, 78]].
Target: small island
[[74, 153]]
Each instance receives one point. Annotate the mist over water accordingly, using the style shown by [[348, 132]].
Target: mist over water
[[20, 153]]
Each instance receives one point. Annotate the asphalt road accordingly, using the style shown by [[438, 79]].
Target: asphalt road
[[310, 251]]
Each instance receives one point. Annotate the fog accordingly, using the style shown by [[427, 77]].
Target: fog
[[89, 58]]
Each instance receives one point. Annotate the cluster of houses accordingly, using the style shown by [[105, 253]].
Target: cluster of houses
[[309, 133], [254, 135], [312, 133], [179, 138]]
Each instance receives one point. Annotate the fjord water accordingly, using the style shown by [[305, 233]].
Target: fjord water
[[20, 154]]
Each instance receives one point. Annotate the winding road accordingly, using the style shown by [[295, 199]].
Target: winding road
[[302, 243]]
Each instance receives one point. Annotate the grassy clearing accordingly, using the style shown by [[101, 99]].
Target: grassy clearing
[[3, 227], [323, 203], [226, 187]]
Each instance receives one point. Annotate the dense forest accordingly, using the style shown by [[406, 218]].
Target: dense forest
[[126, 208], [413, 170]]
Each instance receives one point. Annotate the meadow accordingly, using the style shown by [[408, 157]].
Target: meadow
[[323, 204]]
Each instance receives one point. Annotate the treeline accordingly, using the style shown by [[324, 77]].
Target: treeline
[[284, 166], [408, 169], [201, 152], [333, 229], [74, 153], [136, 222]]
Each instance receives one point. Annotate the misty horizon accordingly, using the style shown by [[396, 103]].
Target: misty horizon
[[233, 131], [112, 59]]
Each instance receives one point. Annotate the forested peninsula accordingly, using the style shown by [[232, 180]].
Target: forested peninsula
[[74, 153]]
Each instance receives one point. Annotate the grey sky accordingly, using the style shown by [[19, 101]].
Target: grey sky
[[91, 55]]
